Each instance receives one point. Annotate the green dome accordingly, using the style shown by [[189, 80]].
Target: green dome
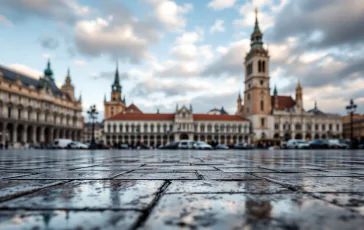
[[48, 71]]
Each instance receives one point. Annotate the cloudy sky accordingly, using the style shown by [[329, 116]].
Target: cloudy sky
[[188, 51]]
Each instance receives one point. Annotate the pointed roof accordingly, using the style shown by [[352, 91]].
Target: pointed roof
[[256, 26], [116, 80], [299, 85], [239, 97], [48, 71], [275, 92]]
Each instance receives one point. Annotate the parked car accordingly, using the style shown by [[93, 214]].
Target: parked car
[[124, 146], [77, 145], [99, 146], [201, 145], [61, 143], [297, 144], [172, 145], [186, 144], [345, 144], [336, 144], [318, 144], [241, 145], [221, 146]]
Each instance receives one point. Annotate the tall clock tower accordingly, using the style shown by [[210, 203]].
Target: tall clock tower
[[257, 99], [116, 104]]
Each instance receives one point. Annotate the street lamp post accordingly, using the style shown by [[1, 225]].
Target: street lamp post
[[351, 110], [92, 113]]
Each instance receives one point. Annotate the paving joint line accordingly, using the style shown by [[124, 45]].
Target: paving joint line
[[143, 218]]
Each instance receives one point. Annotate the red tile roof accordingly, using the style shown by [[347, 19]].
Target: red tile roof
[[222, 117], [284, 102], [170, 117], [143, 116], [132, 109]]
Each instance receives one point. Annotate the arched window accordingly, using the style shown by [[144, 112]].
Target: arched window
[[120, 128], [298, 126], [261, 105], [145, 128], [263, 66], [259, 66], [276, 126]]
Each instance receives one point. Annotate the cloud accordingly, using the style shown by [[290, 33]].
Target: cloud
[[66, 11], [80, 63], [110, 76], [312, 21], [170, 14], [221, 4], [48, 42], [231, 61], [5, 21], [120, 41], [26, 70], [218, 26]]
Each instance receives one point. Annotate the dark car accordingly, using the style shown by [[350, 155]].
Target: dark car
[[318, 144], [99, 146], [172, 145], [220, 146]]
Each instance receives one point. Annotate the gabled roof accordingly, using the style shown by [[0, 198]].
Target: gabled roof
[[132, 109], [170, 117], [10, 75], [284, 102]]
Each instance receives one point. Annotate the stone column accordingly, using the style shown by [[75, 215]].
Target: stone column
[[3, 136], [15, 133], [25, 134], [41, 134], [34, 134]]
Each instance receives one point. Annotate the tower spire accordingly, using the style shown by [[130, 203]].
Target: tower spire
[[256, 37], [275, 92]]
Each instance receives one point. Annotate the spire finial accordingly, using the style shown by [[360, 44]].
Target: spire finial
[[275, 90], [256, 14], [315, 104]]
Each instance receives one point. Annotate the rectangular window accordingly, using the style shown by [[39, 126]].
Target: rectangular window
[[9, 112], [330, 127], [262, 121], [276, 126]]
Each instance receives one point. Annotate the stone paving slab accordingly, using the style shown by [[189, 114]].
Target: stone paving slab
[[242, 211], [6, 174], [354, 201], [244, 170], [61, 219], [107, 194], [220, 175], [303, 182], [14, 188], [158, 176], [210, 186], [72, 175]]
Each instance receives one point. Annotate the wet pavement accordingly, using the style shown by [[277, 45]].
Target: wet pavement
[[181, 189]]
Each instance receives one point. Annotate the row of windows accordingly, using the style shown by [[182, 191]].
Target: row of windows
[[298, 126], [16, 99], [166, 128]]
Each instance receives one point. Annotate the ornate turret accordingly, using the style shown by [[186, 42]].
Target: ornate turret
[[239, 104], [256, 37], [68, 88], [48, 71], [116, 87], [299, 101], [275, 98]]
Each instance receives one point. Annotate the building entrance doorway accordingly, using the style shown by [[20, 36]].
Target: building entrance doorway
[[183, 136]]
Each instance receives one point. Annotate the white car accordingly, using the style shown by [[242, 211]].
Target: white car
[[77, 145], [186, 144], [297, 144], [202, 145], [61, 143]]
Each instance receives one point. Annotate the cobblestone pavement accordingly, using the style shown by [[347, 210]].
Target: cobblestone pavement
[[182, 189]]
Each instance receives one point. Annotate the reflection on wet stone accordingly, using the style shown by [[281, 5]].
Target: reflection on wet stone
[[237, 211], [116, 194], [181, 189], [62, 219]]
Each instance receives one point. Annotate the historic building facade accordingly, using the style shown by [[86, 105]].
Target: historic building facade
[[87, 132], [115, 105], [358, 127], [133, 126], [276, 117], [36, 110]]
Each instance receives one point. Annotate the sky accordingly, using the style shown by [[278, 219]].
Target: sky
[[188, 51]]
